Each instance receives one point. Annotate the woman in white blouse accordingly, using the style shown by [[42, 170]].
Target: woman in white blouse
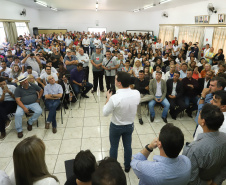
[[29, 164], [176, 49], [137, 67]]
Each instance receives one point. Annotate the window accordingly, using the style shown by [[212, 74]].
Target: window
[[96, 30], [22, 28], [2, 33]]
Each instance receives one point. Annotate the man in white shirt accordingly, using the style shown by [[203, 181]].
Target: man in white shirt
[[43, 79], [206, 50], [159, 45], [84, 59], [86, 43], [96, 42], [60, 37], [123, 106], [219, 99], [68, 40], [53, 69], [31, 72]]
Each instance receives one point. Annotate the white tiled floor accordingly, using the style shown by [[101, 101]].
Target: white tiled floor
[[87, 129]]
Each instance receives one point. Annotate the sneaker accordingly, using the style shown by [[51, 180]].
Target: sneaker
[[11, 115]]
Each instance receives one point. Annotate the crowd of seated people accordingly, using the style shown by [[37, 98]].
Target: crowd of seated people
[[66, 58], [50, 66]]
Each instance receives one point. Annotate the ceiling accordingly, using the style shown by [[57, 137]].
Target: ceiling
[[104, 5]]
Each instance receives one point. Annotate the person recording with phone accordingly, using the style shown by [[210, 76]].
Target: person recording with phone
[[78, 81], [33, 61], [7, 105]]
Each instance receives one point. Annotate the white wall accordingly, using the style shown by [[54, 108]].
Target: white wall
[[113, 20], [121, 21], [81, 20], [11, 10]]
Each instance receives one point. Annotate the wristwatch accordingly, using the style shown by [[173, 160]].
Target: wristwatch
[[202, 98], [148, 149]]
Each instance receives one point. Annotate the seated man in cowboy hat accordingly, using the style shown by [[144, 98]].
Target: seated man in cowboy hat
[[27, 96]]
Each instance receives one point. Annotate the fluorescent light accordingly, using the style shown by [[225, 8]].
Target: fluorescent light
[[41, 3], [164, 1], [96, 5], [148, 6], [55, 9], [136, 10]]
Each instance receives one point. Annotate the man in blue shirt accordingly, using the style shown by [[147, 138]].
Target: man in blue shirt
[[78, 81], [52, 92], [183, 71], [70, 60], [169, 168]]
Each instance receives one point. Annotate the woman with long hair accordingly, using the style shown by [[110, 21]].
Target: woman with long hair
[[29, 164], [137, 67], [15, 73]]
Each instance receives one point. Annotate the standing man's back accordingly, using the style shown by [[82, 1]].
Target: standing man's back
[[123, 106]]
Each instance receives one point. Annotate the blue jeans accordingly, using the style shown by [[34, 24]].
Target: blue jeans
[[116, 131], [20, 112], [52, 105], [165, 104], [193, 100], [77, 88]]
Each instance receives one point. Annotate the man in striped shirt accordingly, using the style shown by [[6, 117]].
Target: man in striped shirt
[[208, 152]]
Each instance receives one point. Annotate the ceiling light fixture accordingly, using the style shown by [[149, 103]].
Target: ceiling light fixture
[[164, 1], [136, 10], [55, 9], [148, 6], [41, 3]]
